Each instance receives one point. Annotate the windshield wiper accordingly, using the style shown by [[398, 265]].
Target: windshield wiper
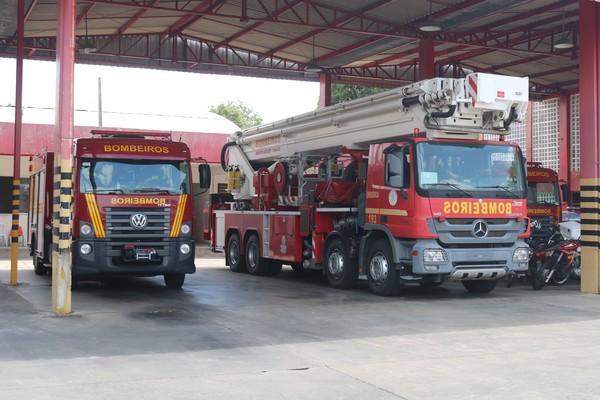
[[151, 190], [108, 191], [501, 187], [452, 185]]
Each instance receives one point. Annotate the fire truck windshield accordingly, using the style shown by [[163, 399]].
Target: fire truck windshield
[[543, 193], [134, 176], [469, 170]]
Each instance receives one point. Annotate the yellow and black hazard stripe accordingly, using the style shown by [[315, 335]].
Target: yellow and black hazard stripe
[[16, 194], [94, 212], [590, 213], [176, 228], [590, 235], [61, 209]]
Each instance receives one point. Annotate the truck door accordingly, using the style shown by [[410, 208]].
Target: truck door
[[395, 204], [389, 199]]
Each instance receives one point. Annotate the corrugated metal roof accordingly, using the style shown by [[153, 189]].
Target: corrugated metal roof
[[280, 37]]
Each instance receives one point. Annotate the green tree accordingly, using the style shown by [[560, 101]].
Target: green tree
[[238, 113], [340, 93]]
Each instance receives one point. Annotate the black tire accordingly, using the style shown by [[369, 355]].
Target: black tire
[[538, 277], [38, 263], [383, 277], [561, 275], [174, 281], [483, 286], [38, 266], [341, 270], [235, 259], [255, 264]]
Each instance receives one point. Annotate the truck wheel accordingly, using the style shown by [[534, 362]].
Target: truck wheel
[[38, 263], [38, 266], [255, 264], [384, 278], [538, 275], [174, 281], [484, 286], [341, 270], [234, 256]]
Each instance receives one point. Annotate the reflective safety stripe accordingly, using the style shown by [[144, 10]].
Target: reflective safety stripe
[[386, 211], [95, 215], [176, 228]]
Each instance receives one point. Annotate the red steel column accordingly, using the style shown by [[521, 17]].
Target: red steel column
[[564, 153], [16, 190], [63, 183], [324, 89], [426, 59], [589, 86]]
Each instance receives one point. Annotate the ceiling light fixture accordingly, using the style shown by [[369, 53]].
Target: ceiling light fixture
[[312, 66], [430, 25], [88, 45], [564, 43]]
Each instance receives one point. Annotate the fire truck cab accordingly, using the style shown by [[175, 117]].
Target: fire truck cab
[[132, 207], [546, 199]]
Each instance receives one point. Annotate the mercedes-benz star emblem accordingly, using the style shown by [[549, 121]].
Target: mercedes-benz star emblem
[[138, 221], [480, 229]]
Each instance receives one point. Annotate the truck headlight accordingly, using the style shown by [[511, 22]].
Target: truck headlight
[[85, 229], [185, 229], [434, 256], [521, 254], [185, 248], [85, 249]]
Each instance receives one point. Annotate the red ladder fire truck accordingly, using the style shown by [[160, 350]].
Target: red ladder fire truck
[[399, 186], [132, 207]]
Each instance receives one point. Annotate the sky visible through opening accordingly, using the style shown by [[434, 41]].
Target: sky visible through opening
[[148, 91]]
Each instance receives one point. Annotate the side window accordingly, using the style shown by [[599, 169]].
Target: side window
[[397, 167]]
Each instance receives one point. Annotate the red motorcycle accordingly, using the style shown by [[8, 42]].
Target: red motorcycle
[[560, 260]]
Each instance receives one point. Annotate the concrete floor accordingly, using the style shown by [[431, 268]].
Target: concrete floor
[[230, 336]]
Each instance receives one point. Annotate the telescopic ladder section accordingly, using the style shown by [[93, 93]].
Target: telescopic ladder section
[[441, 107]]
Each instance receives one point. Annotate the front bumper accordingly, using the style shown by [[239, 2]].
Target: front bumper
[[101, 261], [469, 263]]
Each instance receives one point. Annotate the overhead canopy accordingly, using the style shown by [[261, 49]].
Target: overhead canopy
[[363, 41]]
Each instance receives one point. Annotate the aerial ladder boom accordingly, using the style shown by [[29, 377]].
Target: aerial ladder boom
[[462, 108]]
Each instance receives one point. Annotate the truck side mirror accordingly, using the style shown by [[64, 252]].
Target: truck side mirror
[[396, 166], [564, 188], [204, 176]]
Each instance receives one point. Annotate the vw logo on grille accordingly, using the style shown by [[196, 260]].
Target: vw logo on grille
[[480, 229], [138, 221]]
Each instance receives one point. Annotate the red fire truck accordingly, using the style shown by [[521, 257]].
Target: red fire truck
[[132, 207], [546, 199], [399, 187]]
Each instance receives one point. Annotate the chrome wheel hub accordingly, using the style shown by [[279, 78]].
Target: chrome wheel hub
[[378, 268], [252, 256], [335, 263], [234, 253]]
